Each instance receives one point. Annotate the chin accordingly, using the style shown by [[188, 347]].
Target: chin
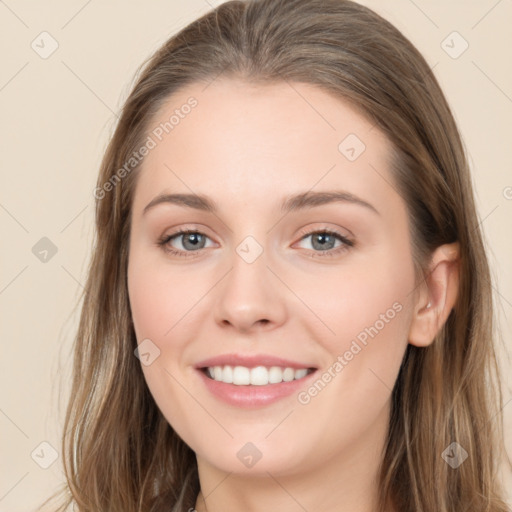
[[255, 458]]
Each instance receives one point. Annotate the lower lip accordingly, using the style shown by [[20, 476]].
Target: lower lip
[[253, 396]]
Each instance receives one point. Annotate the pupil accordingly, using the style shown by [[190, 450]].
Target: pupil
[[193, 238], [323, 239]]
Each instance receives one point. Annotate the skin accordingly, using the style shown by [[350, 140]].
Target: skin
[[247, 147]]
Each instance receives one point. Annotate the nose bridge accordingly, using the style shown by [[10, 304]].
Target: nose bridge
[[250, 294]]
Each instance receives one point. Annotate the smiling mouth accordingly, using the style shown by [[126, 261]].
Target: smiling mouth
[[256, 376]]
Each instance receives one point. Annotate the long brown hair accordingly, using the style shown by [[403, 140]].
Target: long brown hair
[[120, 454]]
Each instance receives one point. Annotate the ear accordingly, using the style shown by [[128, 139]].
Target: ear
[[436, 296]]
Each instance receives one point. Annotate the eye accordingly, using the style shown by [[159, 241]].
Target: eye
[[191, 241], [323, 241]]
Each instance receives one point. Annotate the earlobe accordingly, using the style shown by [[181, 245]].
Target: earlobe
[[437, 296]]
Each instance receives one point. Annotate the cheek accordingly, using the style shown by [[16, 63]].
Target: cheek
[[374, 292], [151, 304], [368, 314], [160, 298]]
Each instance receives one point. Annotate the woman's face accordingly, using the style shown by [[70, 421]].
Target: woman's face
[[260, 286]]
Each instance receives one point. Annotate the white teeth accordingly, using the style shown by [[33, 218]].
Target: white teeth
[[299, 374], [288, 374], [257, 376], [275, 375], [227, 375], [217, 373], [241, 375]]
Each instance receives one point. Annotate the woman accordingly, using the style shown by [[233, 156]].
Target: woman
[[228, 357]]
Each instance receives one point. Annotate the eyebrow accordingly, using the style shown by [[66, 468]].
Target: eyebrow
[[291, 203]]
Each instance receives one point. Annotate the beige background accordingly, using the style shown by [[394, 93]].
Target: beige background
[[57, 114]]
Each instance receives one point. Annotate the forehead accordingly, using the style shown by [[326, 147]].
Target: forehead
[[259, 141]]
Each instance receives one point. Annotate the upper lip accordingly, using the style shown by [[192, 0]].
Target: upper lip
[[251, 361]]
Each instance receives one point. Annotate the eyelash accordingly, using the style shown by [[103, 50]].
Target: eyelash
[[347, 243]]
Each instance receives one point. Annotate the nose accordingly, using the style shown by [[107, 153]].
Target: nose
[[250, 297]]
